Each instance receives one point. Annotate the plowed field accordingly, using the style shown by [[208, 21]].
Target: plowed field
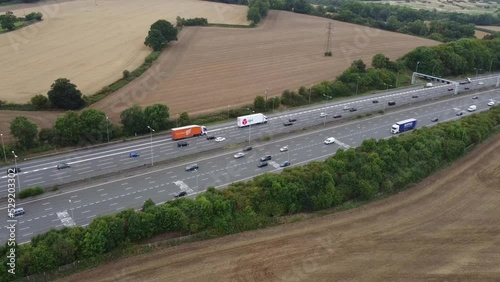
[[447, 228], [210, 68]]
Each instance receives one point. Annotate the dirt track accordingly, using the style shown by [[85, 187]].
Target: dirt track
[[445, 229]]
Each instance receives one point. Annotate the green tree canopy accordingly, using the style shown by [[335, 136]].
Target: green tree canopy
[[133, 120], [68, 128], [24, 131], [64, 95], [8, 21], [156, 116]]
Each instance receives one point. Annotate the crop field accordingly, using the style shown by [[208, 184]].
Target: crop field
[[458, 6], [89, 44], [207, 69], [490, 27], [446, 228], [210, 68]]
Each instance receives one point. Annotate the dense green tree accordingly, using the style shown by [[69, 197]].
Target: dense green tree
[[147, 205], [94, 125], [68, 128], [40, 102], [184, 119], [64, 95], [133, 120], [380, 61], [259, 104], [24, 131], [253, 15], [155, 40], [8, 21], [168, 31], [47, 135], [157, 116]]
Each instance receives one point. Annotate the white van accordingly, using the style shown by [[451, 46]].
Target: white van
[[472, 108], [18, 211]]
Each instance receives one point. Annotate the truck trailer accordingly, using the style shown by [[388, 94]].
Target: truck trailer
[[404, 125], [251, 120], [467, 81], [188, 131]]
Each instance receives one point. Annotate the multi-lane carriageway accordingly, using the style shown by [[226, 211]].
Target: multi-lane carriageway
[[81, 205], [89, 163]]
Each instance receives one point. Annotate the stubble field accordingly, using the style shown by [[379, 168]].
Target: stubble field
[[447, 228]]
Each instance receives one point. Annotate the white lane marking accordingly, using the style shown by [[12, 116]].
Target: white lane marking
[[113, 204], [85, 211]]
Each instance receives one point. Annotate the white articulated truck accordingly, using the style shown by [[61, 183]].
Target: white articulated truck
[[251, 120], [404, 125]]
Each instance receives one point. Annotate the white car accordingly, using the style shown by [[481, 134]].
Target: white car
[[329, 141], [220, 139], [323, 115], [481, 83], [284, 149], [491, 103], [239, 155]]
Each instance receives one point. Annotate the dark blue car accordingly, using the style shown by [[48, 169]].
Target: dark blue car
[[134, 155]]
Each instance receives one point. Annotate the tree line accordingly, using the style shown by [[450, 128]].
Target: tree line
[[8, 20], [458, 58], [375, 168], [440, 26]]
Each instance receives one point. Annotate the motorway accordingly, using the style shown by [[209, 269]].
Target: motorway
[[82, 205], [100, 161]]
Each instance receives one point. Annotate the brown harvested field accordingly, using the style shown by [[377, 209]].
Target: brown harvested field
[[89, 44], [480, 34], [490, 27], [447, 228], [210, 68]]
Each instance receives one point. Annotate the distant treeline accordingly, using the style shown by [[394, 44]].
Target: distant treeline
[[440, 26], [18, 1]]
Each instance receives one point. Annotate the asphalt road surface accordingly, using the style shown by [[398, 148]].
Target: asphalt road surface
[[89, 163], [81, 206]]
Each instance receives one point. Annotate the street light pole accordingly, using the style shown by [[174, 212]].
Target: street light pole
[[72, 212], [228, 111], [17, 172], [477, 71], [3, 146], [416, 69], [357, 84], [151, 143], [250, 129], [107, 127]]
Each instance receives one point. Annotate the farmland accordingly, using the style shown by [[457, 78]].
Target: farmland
[[207, 69], [88, 44], [458, 6], [445, 228], [210, 68]]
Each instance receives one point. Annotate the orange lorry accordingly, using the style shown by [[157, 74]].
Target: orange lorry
[[188, 131]]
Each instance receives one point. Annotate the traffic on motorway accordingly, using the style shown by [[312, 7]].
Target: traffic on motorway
[[80, 206], [57, 170]]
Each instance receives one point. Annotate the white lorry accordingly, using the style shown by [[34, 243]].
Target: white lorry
[[251, 120]]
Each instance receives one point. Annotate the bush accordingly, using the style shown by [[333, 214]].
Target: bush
[[34, 16], [31, 192], [126, 74], [40, 102], [194, 22]]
